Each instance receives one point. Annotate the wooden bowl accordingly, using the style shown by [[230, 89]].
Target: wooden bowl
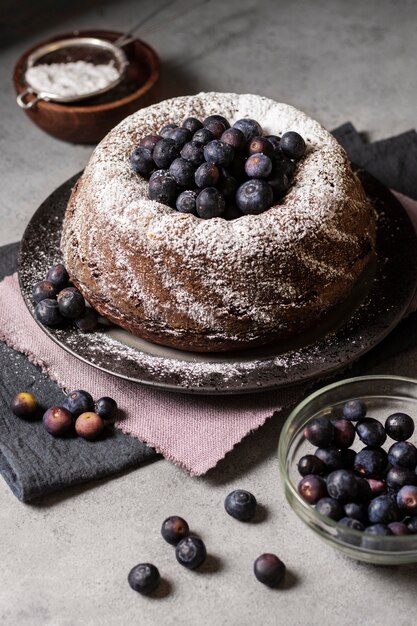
[[90, 120]]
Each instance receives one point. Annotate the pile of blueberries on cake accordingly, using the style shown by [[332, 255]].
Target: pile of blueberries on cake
[[370, 490], [211, 169]]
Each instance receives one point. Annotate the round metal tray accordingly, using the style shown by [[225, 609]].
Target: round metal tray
[[377, 304]]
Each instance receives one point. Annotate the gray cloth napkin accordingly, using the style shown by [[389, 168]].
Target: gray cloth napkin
[[31, 461]]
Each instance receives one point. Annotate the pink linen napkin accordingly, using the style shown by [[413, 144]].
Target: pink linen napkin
[[194, 432]]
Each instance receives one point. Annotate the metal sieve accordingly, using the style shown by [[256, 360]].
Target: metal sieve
[[89, 49], [94, 50]]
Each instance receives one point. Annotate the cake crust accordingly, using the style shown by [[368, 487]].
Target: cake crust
[[213, 285]]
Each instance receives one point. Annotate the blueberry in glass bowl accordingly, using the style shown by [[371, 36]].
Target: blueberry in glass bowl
[[375, 526]]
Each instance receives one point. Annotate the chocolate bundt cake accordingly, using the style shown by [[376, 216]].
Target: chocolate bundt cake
[[216, 284]]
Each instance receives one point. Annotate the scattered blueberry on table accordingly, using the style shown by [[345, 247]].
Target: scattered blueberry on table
[[370, 490], [269, 569], [191, 552], [241, 505], [58, 421], [79, 401], [144, 578], [24, 405], [78, 414], [209, 169], [89, 425], [174, 528]]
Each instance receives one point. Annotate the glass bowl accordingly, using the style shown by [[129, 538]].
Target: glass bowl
[[383, 396]]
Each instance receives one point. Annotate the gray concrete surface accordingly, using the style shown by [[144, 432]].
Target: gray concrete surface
[[64, 560]]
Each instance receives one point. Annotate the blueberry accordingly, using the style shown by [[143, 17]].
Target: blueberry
[[174, 529], [106, 408], [330, 508], [192, 124], [58, 421], [144, 578], [142, 162], [398, 529], [88, 321], [58, 276], [186, 202], [383, 510], [193, 152], [377, 487], [203, 136], [403, 454], [398, 477], [331, 456], [342, 485], [78, 401], [407, 499], [89, 425], [163, 188], [344, 433], [411, 524], [261, 145], [356, 510], [279, 184], [364, 490], [191, 552], [165, 130], [283, 166], [150, 141], [310, 464], [399, 426], [348, 458], [43, 290], [241, 505], [319, 432], [182, 172], [350, 522], [354, 410], [215, 126], [207, 175], [258, 166], [227, 186], [250, 128], [269, 569], [235, 138], [47, 313], [165, 152], [210, 203], [181, 136], [371, 432], [25, 405], [378, 529], [65, 291], [217, 118], [371, 463], [274, 140], [292, 145], [71, 303], [254, 197], [218, 153], [312, 488], [369, 540]]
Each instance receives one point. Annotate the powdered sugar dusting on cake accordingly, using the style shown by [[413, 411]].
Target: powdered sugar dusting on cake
[[254, 269]]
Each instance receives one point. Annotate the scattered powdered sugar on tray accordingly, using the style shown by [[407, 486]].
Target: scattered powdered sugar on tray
[[72, 79]]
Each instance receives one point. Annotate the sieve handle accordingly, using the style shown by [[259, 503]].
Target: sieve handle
[[27, 104]]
